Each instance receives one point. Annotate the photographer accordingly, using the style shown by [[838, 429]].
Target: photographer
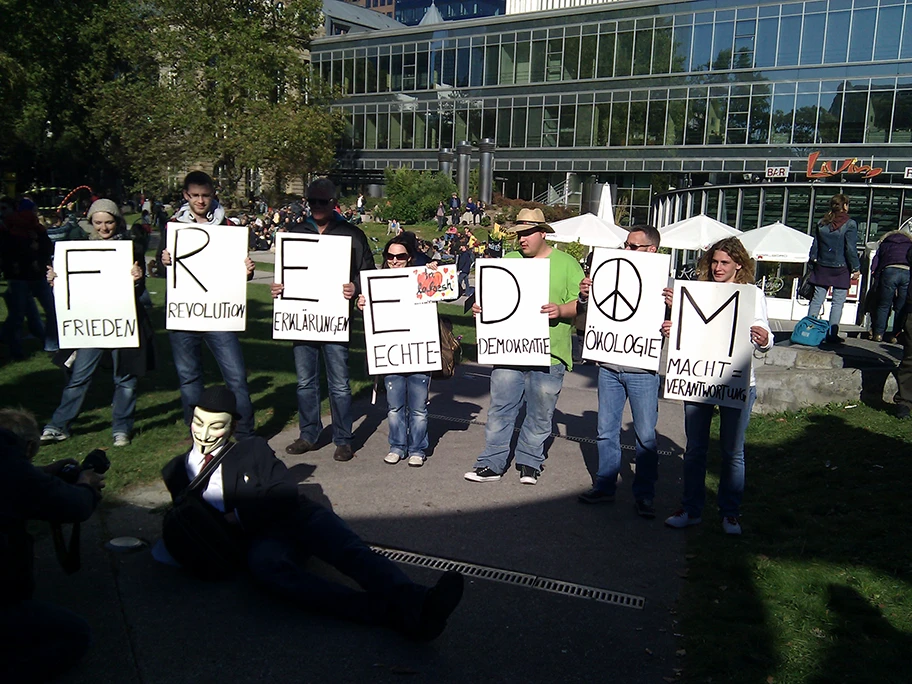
[[37, 640]]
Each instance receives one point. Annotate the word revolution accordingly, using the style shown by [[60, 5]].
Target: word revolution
[[302, 321], [497, 345], [412, 353], [100, 327], [629, 344], [206, 310]]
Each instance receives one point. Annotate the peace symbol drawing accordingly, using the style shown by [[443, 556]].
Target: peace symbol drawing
[[617, 288]]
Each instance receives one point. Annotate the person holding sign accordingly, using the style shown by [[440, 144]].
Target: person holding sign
[[107, 224], [321, 197], [725, 262], [539, 388], [406, 393], [202, 207], [618, 384]]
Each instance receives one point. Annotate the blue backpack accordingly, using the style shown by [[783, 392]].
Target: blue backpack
[[810, 331]]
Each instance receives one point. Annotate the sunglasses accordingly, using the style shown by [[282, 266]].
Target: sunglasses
[[315, 202], [633, 246], [397, 257]]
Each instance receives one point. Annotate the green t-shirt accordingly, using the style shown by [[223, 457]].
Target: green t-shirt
[[564, 279]]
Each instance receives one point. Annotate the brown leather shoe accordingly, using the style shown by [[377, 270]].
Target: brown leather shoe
[[299, 446], [343, 452]]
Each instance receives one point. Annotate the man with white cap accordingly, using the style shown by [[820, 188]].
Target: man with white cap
[[538, 387]]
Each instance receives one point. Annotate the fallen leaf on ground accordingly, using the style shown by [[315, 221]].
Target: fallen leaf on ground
[[681, 652]]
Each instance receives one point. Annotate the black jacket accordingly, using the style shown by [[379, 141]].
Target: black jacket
[[362, 258], [256, 485], [29, 493]]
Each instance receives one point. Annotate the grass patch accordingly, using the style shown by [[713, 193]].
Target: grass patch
[[818, 588]]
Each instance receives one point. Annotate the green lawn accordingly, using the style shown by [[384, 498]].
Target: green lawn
[[818, 588]]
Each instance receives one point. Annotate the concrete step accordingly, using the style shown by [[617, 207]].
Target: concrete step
[[791, 377]]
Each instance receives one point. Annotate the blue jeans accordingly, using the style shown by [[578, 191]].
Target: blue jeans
[[509, 387], [389, 596], [188, 361], [891, 292], [20, 302], [462, 282], [642, 390], [839, 297], [407, 398], [84, 366], [307, 365], [732, 426]]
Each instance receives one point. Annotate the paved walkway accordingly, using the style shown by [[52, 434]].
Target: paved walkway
[[152, 624]]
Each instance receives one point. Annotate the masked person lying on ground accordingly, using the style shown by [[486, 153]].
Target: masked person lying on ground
[[38, 641], [258, 519]]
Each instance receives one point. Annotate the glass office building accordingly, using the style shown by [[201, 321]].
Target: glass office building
[[649, 97]]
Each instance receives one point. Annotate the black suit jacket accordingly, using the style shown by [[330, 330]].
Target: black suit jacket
[[256, 485]]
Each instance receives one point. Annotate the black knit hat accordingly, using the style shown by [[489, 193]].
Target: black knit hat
[[218, 400]]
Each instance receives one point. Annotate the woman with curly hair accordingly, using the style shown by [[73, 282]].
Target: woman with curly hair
[[725, 262]]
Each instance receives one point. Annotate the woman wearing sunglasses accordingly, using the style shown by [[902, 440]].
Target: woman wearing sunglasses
[[406, 393]]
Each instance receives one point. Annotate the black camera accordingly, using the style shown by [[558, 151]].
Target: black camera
[[97, 460]]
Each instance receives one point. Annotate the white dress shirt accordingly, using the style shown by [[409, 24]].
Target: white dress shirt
[[214, 494]]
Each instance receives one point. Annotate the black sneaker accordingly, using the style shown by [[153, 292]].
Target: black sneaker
[[902, 412], [439, 602], [645, 508], [343, 452], [528, 474], [594, 496], [299, 446], [482, 475]]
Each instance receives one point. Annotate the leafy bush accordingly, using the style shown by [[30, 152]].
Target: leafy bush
[[412, 196]]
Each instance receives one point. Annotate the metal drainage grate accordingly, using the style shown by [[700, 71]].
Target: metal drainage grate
[[582, 440], [516, 578]]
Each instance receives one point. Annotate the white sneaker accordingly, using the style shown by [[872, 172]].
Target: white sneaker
[[121, 439], [731, 524], [681, 519], [51, 434], [416, 461], [392, 458]]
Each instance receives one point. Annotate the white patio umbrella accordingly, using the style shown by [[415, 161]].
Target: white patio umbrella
[[777, 242], [696, 233], [589, 229], [606, 210]]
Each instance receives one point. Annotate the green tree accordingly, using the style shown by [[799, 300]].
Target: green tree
[[223, 82], [413, 195]]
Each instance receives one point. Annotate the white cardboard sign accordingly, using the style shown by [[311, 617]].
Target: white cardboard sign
[[400, 336], [626, 308], [435, 285], [93, 294], [709, 351], [313, 269], [207, 279], [511, 330]]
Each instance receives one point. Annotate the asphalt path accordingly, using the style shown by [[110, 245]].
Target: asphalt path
[[154, 624]]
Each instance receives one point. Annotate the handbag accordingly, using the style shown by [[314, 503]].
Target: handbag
[[196, 535], [810, 331], [806, 287]]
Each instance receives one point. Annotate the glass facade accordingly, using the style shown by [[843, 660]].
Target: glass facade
[[707, 88]]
